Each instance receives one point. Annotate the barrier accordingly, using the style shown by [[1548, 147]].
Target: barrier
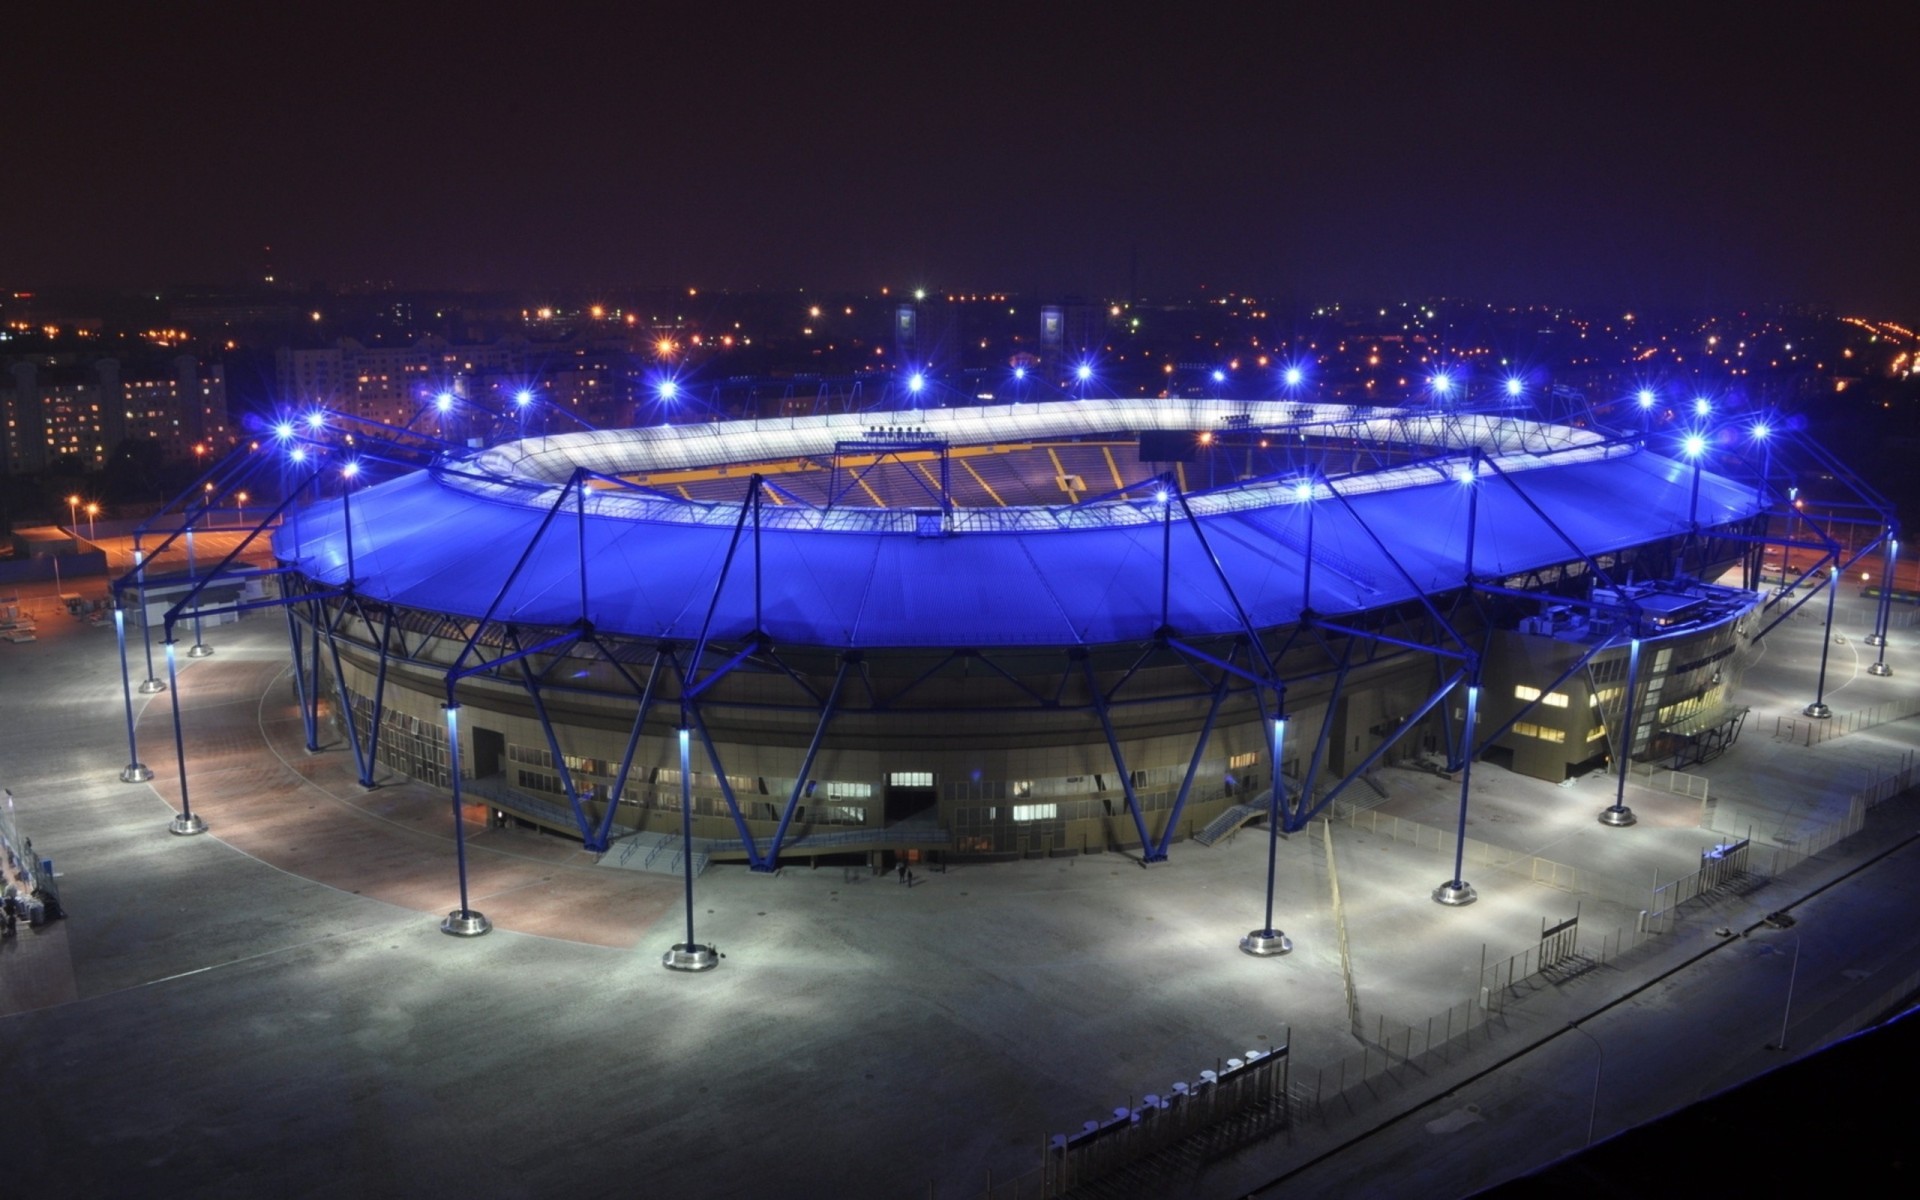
[[1236, 1086]]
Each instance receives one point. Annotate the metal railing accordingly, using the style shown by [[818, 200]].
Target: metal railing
[[1806, 731]]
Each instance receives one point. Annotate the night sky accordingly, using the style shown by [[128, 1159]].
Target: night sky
[[1697, 154]]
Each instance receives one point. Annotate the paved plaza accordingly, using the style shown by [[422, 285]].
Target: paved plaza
[[272, 1008]]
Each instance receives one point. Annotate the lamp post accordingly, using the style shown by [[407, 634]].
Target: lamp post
[[1266, 941], [688, 955], [73, 519], [93, 510], [1618, 815], [1457, 891]]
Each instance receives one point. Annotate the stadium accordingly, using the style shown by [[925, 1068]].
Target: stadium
[[1007, 630]]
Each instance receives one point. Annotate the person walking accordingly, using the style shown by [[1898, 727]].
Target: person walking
[[900, 870]]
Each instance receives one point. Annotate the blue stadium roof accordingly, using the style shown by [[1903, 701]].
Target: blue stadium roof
[[445, 539]]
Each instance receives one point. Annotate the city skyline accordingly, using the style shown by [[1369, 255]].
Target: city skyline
[[1638, 157]]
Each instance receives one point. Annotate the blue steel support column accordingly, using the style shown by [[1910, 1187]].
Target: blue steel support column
[[151, 683], [1311, 778], [199, 649], [688, 955], [379, 700], [1159, 850], [633, 744], [806, 765], [1266, 941], [1619, 814], [307, 717], [135, 771], [184, 822], [462, 921], [1457, 891], [1119, 760], [1878, 639], [364, 764], [559, 760], [1818, 710], [317, 611]]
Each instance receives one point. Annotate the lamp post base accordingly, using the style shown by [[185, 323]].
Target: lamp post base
[[1619, 816], [464, 922], [694, 957], [199, 650], [149, 687], [1879, 668], [1875, 639], [1454, 893], [1266, 943], [135, 773], [1817, 711], [186, 824]]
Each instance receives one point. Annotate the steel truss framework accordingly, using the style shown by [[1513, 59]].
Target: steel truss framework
[[1248, 672]]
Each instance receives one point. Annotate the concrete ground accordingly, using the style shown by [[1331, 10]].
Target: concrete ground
[[272, 1008]]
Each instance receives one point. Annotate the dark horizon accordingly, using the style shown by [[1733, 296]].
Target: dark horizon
[[1637, 157]]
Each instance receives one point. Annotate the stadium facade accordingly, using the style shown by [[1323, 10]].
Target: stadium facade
[[1019, 630]]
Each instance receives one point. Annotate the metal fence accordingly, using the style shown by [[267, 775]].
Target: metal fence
[[1234, 1088], [1678, 782], [1394, 1054], [1477, 853], [1806, 731]]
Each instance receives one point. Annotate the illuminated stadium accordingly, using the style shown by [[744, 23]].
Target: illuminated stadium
[[1005, 631]]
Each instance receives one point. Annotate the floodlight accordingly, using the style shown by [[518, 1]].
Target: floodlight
[[1695, 445], [444, 401], [1702, 406], [1646, 397], [1515, 387], [1293, 376], [523, 397], [669, 389]]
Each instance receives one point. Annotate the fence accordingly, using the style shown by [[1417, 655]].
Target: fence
[[1235, 1087], [1807, 731], [1392, 1053], [1678, 782], [1477, 853]]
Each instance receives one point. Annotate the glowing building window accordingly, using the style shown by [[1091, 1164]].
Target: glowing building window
[[910, 779], [1243, 760], [1036, 812], [1553, 699]]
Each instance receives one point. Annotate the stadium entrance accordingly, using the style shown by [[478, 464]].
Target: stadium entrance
[[910, 796]]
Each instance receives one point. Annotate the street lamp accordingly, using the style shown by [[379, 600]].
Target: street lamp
[[73, 503], [93, 510]]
